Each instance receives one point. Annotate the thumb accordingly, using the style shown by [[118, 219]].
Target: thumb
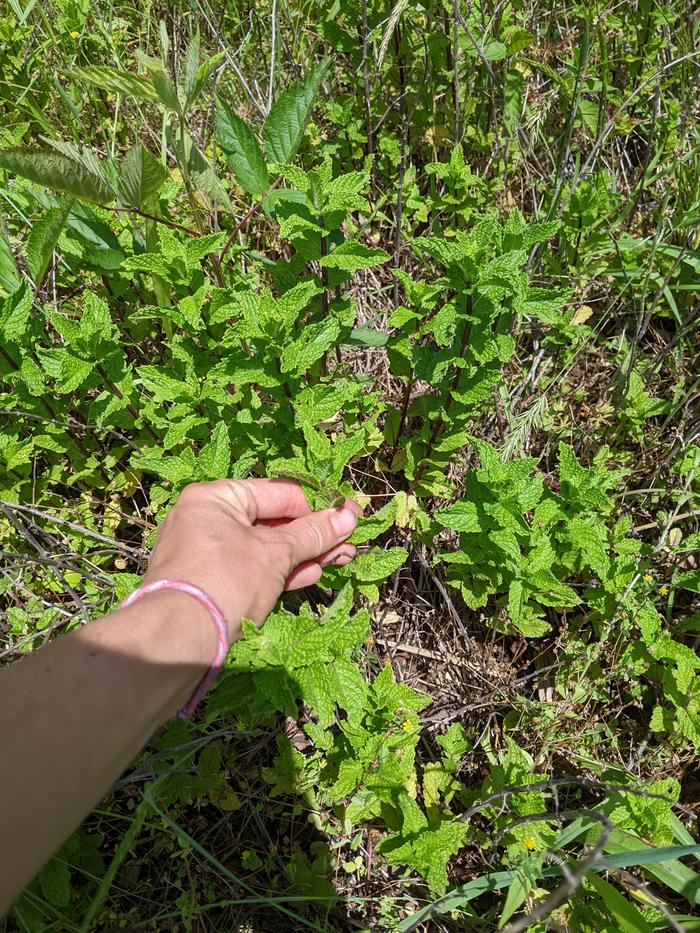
[[314, 534]]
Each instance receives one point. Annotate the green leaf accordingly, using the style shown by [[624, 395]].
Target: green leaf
[[462, 516], [629, 919], [9, 276], [214, 458], [54, 881], [243, 153], [166, 91], [428, 851], [140, 176], [117, 82], [351, 256], [690, 580], [372, 526], [290, 114], [377, 565], [517, 892], [315, 340], [42, 240], [58, 172]]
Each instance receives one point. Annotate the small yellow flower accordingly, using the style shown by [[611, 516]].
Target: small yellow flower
[[240, 725], [75, 35], [408, 726], [648, 577], [530, 842], [664, 591]]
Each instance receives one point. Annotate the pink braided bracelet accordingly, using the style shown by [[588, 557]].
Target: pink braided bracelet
[[217, 618]]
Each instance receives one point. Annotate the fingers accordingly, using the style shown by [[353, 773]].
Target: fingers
[[310, 571], [270, 500], [305, 574], [276, 522], [318, 533], [264, 499]]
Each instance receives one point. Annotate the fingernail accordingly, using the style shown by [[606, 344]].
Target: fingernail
[[343, 522]]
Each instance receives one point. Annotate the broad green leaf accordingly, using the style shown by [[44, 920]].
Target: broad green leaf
[[372, 526], [192, 64], [115, 81], [140, 176], [462, 516], [290, 114], [197, 248], [58, 172], [166, 91], [377, 565], [365, 337], [163, 387], [243, 153], [428, 851], [14, 314], [351, 256], [9, 275], [690, 580], [42, 240], [148, 262], [73, 372], [315, 340], [214, 458]]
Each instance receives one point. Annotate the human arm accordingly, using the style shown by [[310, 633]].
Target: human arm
[[75, 713]]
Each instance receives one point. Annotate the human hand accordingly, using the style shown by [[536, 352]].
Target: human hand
[[245, 541]]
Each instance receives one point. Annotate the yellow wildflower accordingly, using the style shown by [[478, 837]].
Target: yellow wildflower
[[664, 591], [648, 577], [530, 842], [408, 726], [75, 35]]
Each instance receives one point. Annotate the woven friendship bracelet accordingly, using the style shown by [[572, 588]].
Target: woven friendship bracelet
[[217, 618]]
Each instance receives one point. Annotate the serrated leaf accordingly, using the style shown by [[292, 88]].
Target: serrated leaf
[[54, 881], [14, 314], [58, 172], [214, 458], [148, 262], [373, 525], [463, 516], [377, 565], [9, 274], [428, 851], [166, 91], [117, 82], [140, 176], [243, 153], [73, 372], [42, 240], [290, 114], [196, 248], [174, 469], [164, 387], [351, 256], [314, 341]]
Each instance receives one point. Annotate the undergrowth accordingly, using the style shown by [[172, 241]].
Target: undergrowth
[[442, 259]]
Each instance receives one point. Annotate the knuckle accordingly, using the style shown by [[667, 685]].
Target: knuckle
[[317, 531], [191, 492]]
